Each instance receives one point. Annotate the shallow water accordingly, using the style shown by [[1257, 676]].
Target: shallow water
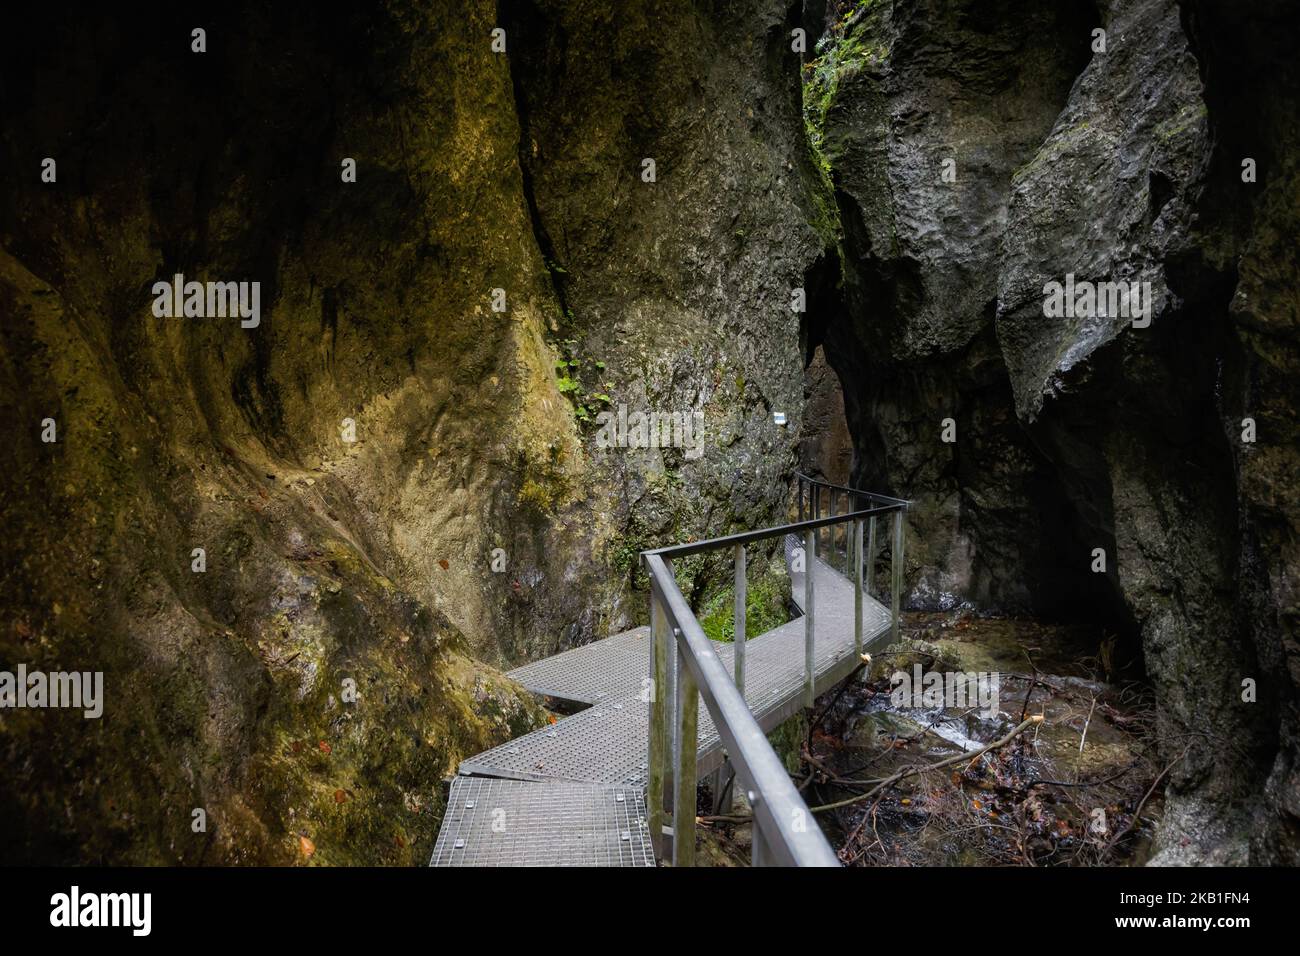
[[1047, 798]]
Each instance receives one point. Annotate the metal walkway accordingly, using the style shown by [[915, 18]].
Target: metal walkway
[[573, 793]]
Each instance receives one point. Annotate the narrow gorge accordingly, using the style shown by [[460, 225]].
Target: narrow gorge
[[304, 552]]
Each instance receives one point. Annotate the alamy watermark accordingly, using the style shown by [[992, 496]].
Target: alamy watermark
[[1086, 300], [652, 430], [208, 300], [22, 688], [958, 690], [75, 908]]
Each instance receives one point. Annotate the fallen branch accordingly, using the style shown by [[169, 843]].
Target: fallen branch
[[1137, 814], [1082, 784], [947, 762], [724, 818]]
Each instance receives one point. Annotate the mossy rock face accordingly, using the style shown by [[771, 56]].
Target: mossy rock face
[[351, 465], [290, 691]]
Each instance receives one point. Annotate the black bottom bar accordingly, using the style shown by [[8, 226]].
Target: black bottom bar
[[333, 907]]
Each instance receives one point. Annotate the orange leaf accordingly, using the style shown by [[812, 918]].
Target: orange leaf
[[306, 846], [553, 718], [442, 563], [325, 748], [340, 796]]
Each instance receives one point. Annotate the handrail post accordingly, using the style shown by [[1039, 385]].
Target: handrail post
[[799, 494], [870, 569], [850, 539], [738, 648], [809, 553], [830, 532], [897, 569], [857, 586], [688, 713], [660, 646], [759, 854], [675, 664], [739, 635]]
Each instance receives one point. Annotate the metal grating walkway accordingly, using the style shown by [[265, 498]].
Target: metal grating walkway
[[602, 670], [548, 779], [510, 823]]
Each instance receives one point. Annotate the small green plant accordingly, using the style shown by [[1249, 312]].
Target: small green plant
[[568, 371]]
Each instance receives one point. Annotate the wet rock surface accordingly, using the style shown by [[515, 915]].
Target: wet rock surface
[[1082, 432]]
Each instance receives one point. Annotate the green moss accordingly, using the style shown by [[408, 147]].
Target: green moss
[[766, 594], [850, 45], [785, 740]]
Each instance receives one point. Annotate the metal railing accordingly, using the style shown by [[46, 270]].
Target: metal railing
[[685, 668]]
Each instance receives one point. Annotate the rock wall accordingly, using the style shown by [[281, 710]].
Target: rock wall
[[643, 190], [329, 559], [981, 151]]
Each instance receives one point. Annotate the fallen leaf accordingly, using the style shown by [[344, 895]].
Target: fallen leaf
[[306, 846], [325, 748], [442, 563], [340, 796]]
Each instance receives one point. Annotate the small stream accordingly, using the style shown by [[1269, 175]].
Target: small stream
[[1064, 792]]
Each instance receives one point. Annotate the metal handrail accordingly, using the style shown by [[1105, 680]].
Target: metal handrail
[[781, 818], [857, 491], [784, 832], [747, 537]]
